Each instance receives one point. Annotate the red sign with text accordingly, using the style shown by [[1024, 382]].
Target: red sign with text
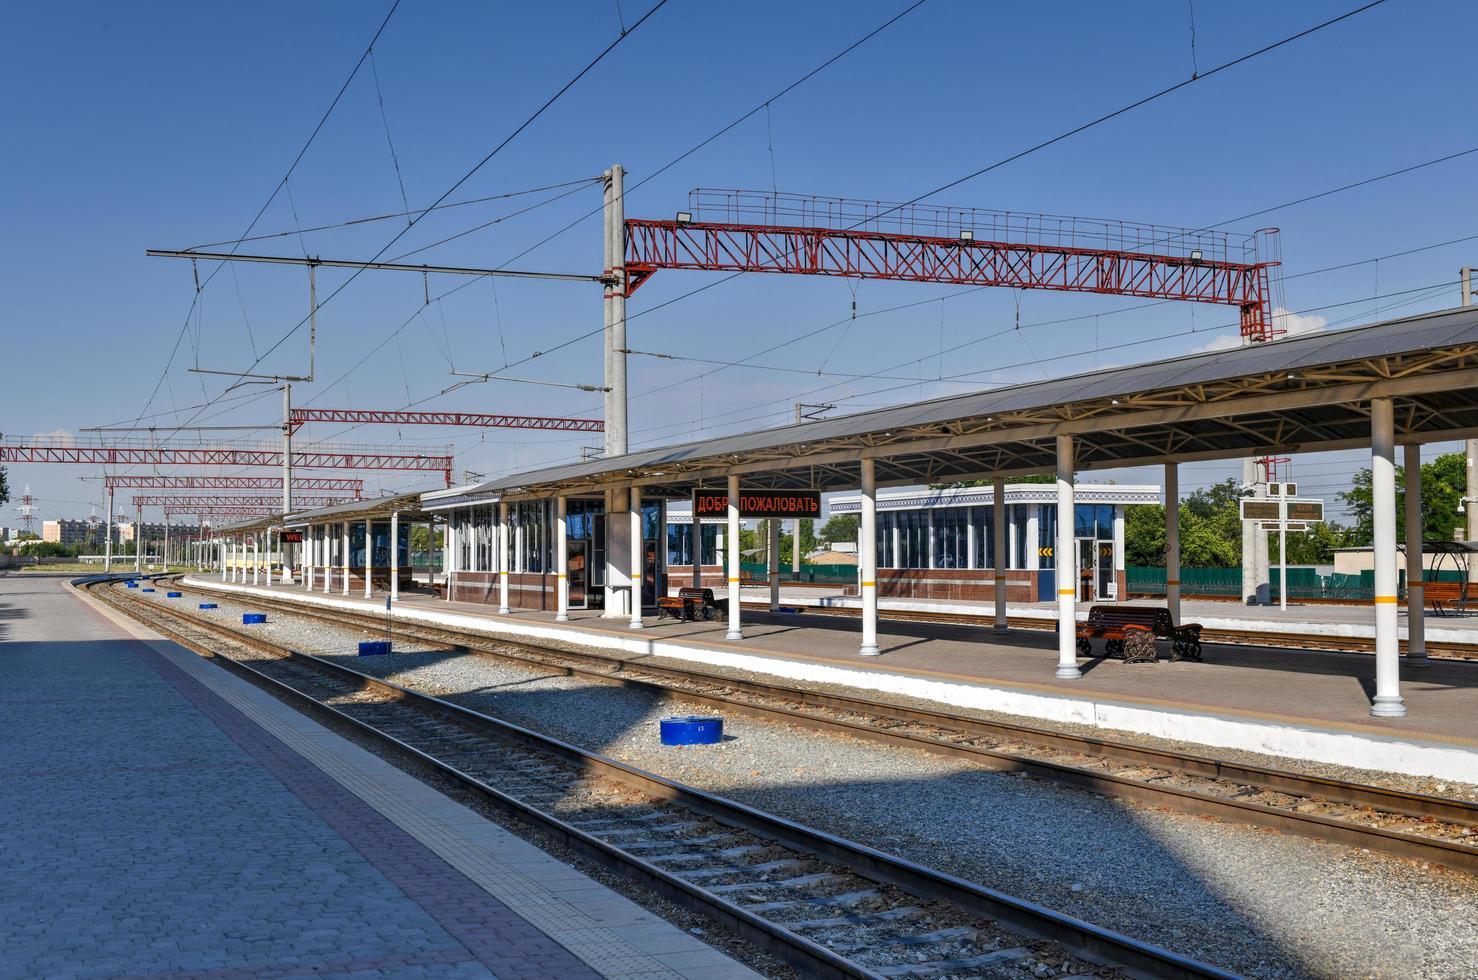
[[759, 503]]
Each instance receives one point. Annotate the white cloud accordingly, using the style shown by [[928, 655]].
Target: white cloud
[[1296, 324], [1224, 342], [56, 437], [1284, 319]]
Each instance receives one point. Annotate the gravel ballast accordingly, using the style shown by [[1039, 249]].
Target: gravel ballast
[[1246, 899]]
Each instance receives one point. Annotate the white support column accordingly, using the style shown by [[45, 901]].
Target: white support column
[[449, 559], [1172, 540], [867, 558], [344, 558], [225, 561], [256, 558], [795, 550], [972, 547], [772, 550], [138, 541], [1002, 561], [638, 551], [1066, 555], [394, 555], [310, 557], [731, 547], [562, 559], [369, 557], [1388, 702], [500, 556], [1416, 626], [326, 541], [929, 537], [697, 553]]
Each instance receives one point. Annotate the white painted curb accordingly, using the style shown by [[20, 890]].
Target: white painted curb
[[1387, 753]]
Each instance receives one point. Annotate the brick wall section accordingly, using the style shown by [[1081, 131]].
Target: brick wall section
[[957, 584], [526, 590], [681, 576]]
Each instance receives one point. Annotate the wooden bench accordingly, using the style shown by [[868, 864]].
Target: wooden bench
[[1442, 596], [689, 604], [1131, 631]]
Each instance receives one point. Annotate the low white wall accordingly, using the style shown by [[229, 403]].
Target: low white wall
[[1390, 753]]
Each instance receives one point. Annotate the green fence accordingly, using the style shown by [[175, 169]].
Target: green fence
[[810, 574], [1303, 583]]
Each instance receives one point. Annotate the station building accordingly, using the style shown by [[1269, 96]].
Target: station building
[[599, 528], [940, 543]]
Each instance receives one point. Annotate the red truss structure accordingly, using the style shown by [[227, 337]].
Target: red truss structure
[[301, 416], [223, 456], [157, 481], [750, 231], [195, 502]]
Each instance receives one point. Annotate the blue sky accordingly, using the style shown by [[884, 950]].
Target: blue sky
[[167, 125]]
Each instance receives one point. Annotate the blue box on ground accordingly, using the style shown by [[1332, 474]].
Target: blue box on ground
[[207, 605], [374, 648], [146, 590], [251, 619], [692, 730], [173, 595], [131, 584]]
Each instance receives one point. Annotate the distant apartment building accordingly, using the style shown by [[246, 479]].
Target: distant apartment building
[[152, 532], [72, 532]]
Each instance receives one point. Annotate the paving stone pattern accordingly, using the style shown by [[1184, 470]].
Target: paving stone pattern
[[149, 829]]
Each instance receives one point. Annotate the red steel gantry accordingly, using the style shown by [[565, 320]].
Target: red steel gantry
[[753, 231], [158, 481], [225, 456], [194, 502], [300, 416]]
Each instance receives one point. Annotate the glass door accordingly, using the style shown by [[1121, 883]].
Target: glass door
[[579, 574], [1108, 586], [1086, 563]]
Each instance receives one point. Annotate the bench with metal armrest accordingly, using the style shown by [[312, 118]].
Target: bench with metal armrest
[[1445, 596], [689, 604], [1131, 631]]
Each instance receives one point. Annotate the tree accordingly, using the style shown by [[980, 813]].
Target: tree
[[1210, 530], [841, 527], [1444, 480], [4, 486], [808, 542]]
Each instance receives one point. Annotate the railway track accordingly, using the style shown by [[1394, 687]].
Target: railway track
[[1437, 649], [828, 906], [1414, 826]]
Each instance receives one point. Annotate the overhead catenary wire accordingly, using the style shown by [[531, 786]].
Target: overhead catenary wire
[[525, 124], [1000, 163], [169, 362]]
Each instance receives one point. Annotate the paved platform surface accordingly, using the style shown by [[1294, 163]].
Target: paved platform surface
[[1328, 618], [164, 818], [1328, 691]]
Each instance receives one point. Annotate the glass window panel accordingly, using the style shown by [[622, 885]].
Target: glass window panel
[[1047, 536]]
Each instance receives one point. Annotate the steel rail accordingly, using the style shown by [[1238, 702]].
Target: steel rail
[[599, 668], [1087, 940]]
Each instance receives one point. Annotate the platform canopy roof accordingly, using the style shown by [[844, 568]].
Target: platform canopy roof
[[376, 508], [1308, 393]]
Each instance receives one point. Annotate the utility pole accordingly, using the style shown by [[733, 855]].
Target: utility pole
[[1472, 444], [287, 447], [619, 546], [615, 295]]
